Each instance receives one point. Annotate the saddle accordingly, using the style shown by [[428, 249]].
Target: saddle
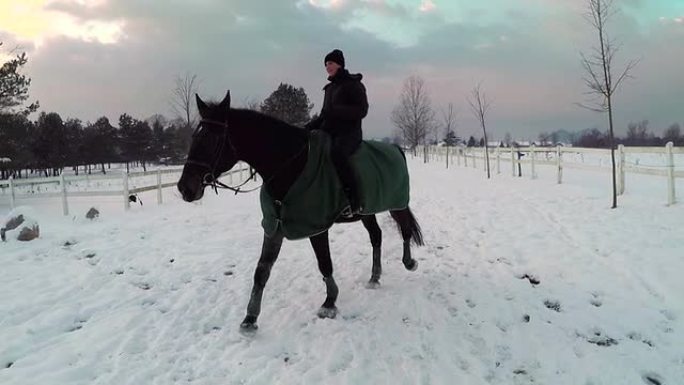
[[316, 200]]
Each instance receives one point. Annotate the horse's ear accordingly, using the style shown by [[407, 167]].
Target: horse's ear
[[225, 103], [201, 106]]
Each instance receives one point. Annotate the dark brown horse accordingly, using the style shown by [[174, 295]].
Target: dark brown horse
[[275, 150]]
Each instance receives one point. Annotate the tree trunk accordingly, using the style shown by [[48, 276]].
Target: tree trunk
[[612, 150]]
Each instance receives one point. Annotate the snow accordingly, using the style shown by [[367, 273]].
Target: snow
[[522, 281]]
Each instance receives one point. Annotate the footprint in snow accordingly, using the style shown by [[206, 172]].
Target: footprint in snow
[[552, 305], [530, 277], [651, 378]]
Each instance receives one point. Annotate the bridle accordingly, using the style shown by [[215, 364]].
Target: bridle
[[210, 178]]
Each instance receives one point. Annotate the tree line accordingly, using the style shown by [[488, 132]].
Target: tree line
[[51, 143]]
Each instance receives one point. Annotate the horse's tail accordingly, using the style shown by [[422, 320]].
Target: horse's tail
[[416, 232]]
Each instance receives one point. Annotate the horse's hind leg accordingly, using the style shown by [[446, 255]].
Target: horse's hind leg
[[269, 254], [410, 230], [371, 224], [322, 250]]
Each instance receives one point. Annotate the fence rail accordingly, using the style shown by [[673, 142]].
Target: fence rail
[[554, 156], [126, 184]]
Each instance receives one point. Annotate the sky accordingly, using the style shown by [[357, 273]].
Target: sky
[[90, 58]]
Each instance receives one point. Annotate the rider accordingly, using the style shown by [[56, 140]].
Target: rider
[[344, 105]]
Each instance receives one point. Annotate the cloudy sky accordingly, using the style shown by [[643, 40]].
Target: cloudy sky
[[90, 58]]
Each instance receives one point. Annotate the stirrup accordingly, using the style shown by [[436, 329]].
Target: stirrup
[[347, 212]]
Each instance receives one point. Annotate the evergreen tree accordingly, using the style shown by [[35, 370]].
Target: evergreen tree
[[288, 104], [14, 86]]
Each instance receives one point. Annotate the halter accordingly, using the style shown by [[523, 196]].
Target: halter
[[210, 179]]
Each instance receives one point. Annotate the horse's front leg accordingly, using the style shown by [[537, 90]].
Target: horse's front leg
[[322, 250], [269, 254]]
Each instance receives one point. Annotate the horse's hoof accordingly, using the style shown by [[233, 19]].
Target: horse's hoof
[[411, 265], [373, 285], [248, 328], [327, 312]]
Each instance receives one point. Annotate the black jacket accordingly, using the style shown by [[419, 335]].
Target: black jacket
[[344, 105]]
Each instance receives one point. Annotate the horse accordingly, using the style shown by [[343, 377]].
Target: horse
[[277, 151]]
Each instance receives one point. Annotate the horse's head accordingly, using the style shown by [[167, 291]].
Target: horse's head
[[211, 152]]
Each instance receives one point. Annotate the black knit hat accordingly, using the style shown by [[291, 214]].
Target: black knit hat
[[335, 56]]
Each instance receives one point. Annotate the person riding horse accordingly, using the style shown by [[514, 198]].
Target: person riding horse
[[344, 106]]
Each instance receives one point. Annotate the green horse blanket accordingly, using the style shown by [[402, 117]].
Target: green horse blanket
[[316, 199]]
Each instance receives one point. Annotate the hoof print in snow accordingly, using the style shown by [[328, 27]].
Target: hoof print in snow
[[77, 326], [118, 271], [634, 336], [526, 318], [286, 359], [470, 303], [652, 379], [143, 285], [520, 372], [596, 302], [533, 280], [69, 243], [227, 273], [601, 340], [9, 365], [669, 315], [172, 260], [552, 305], [89, 256]]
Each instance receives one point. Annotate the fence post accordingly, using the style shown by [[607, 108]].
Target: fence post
[[498, 161], [159, 186], [62, 184], [621, 169], [533, 154], [560, 164], [13, 202], [465, 158], [127, 203], [670, 174], [474, 158], [513, 161]]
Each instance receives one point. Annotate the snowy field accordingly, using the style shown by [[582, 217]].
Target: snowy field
[[521, 282]]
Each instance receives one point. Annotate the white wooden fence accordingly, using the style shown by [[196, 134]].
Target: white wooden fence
[[554, 156], [123, 185]]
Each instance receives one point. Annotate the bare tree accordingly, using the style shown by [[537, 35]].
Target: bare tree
[[449, 122], [600, 71], [414, 116], [508, 140], [479, 105], [183, 98], [251, 103], [673, 133]]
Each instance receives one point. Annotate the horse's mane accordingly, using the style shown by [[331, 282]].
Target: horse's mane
[[244, 115], [262, 119]]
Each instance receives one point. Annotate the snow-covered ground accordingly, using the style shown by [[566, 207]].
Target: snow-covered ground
[[521, 282]]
